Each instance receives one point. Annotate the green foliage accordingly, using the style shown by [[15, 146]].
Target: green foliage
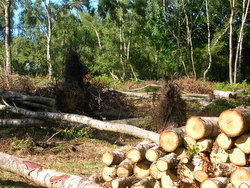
[[193, 149], [21, 144], [71, 133], [105, 80], [232, 87]]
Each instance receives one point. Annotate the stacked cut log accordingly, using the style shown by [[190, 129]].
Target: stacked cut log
[[207, 152]]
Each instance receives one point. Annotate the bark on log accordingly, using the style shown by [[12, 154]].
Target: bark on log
[[141, 169], [237, 157], [19, 123], [239, 176], [113, 157], [199, 172], [200, 127], [243, 142], [205, 144], [219, 182], [224, 141], [172, 139], [155, 172], [245, 184], [183, 155], [188, 142], [43, 176], [154, 153], [124, 182], [138, 152], [125, 168], [167, 162], [101, 125], [185, 172], [147, 182], [223, 169], [224, 94], [169, 180], [109, 173], [234, 122], [219, 155]]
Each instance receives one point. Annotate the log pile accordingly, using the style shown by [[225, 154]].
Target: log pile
[[207, 152]]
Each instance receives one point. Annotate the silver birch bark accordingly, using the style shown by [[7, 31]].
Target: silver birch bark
[[41, 175], [49, 36], [8, 60], [101, 125], [232, 3], [238, 54], [208, 42]]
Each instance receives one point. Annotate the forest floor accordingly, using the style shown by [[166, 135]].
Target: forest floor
[[78, 151]]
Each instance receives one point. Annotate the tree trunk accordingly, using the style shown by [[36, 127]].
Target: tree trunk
[[239, 176], [172, 139], [109, 173], [245, 184], [107, 126], [205, 144], [17, 123], [183, 155], [240, 39], [223, 169], [208, 42], [243, 142], [113, 157], [147, 182], [49, 36], [200, 127], [167, 162], [234, 122], [138, 152], [238, 157], [219, 155], [125, 168], [154, 153], [218, 182], [155, 172], [224, 94], [8, 63], [199, 172], [169, 180], [232, 2], [41, 175], [185, 172], [224, 141], [141, 169], [124, 182]]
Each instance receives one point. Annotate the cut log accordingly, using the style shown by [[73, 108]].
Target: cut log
[[224, 94], [219, 155], [169, 180], [205, 144], [167, 162], [183, 155], [234, 122], [155, 172], [125, 168], [199, 172], [147, 182], [239, 176], [138, 152], [109, 173], [200, 127], [113, 157], [141, 169], [19, 123], [245, 184], [172, 139], [124, 182], [223, 169], [188, 142], [237, 157], [154, 153], [185, 172], [101, 125], [43, 176], [243, 142], [224, 141], [219, 182]]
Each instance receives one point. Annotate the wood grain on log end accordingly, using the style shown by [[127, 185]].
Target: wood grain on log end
[[239, 176]]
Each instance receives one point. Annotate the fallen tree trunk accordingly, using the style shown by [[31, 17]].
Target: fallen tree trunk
[[94, 123], [15, 123], [224, 94], [43, 176]]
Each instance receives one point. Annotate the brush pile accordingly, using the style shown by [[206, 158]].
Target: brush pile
[[208, 152]]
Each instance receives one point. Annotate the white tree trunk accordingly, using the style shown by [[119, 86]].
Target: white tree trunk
[[43, 176], [101, 125]]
